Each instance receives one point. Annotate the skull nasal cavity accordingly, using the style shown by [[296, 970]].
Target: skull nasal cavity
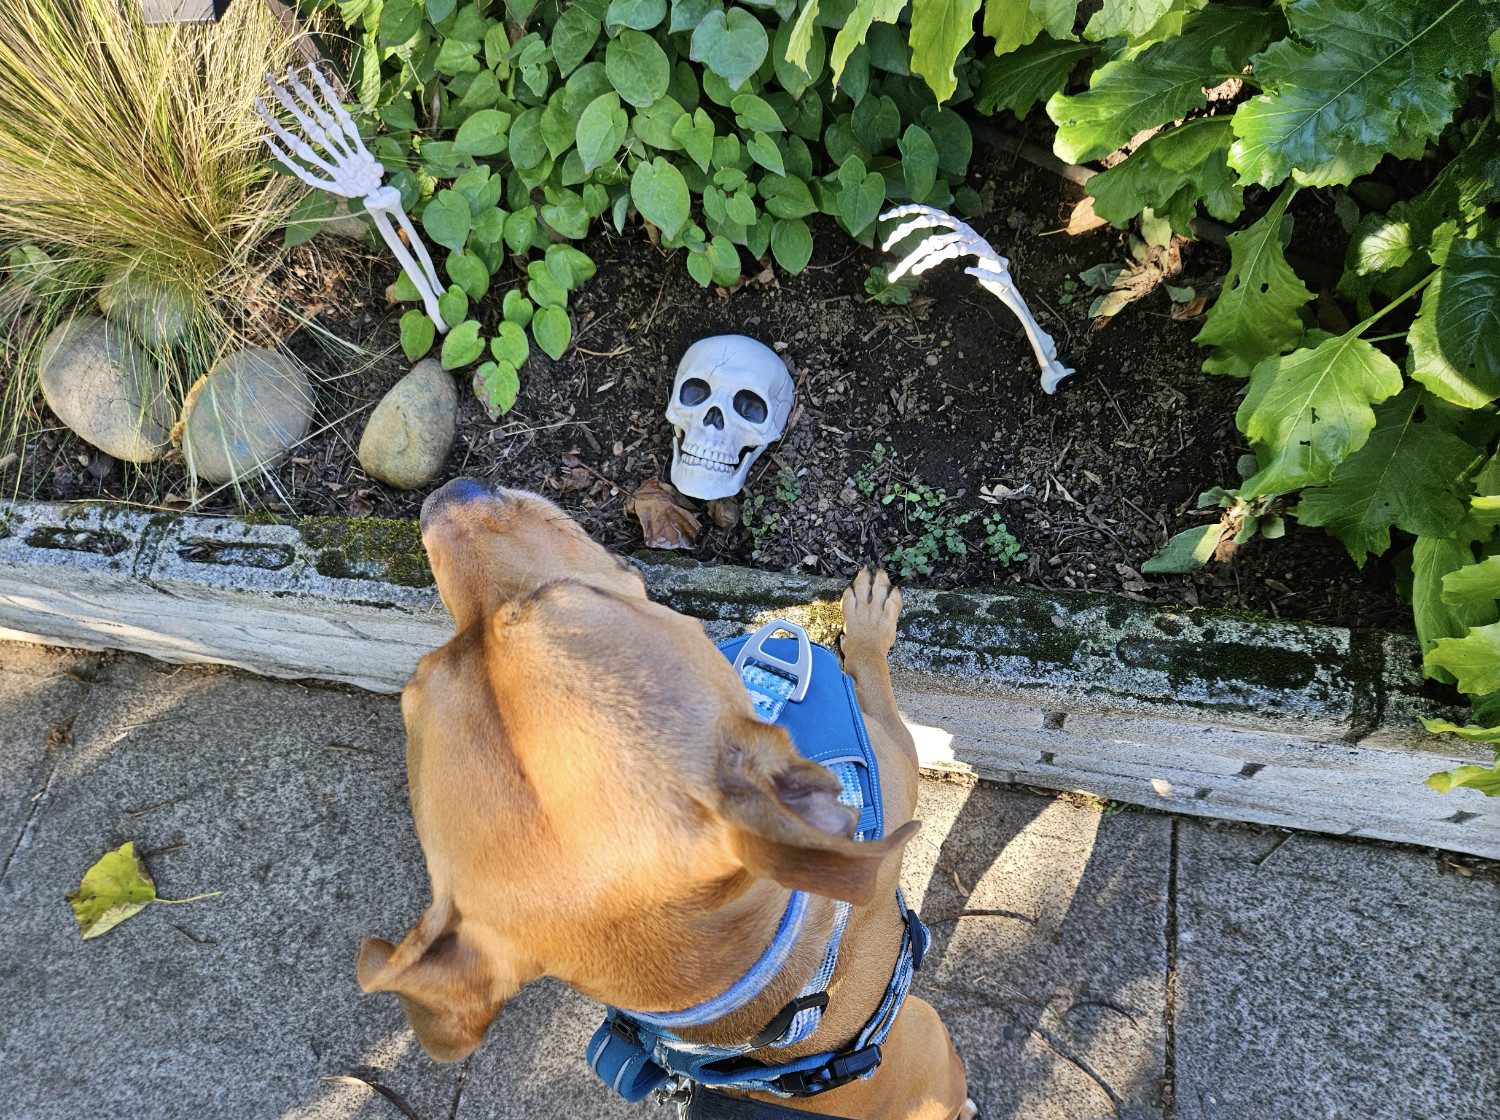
[[694, 391], [713, 418], [750, 406]]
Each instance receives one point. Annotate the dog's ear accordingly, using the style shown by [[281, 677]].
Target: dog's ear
[[446, 988], [786, 822]]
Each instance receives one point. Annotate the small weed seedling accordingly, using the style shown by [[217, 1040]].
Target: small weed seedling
[[999, 543], [938, 528]]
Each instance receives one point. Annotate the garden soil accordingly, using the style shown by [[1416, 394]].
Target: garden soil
[[940, 396]]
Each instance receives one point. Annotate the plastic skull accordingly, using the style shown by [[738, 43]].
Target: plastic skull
[[731, 398]]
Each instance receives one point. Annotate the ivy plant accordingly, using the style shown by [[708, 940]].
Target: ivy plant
[[511, 128]]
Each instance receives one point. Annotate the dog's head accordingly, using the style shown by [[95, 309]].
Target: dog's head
[[588, 778]]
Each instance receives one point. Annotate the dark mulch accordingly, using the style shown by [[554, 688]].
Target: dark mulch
[[1099, 474]]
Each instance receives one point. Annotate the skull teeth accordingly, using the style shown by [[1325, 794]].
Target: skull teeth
[[704, 458]]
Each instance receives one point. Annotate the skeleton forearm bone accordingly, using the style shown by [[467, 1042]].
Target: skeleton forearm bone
[[991, 272], [352, 172]]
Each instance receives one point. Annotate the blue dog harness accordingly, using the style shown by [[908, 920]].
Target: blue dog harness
[[799, 686]]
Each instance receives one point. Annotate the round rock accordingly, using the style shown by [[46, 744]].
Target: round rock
[[244, 414], [411, 430], [104, 387], [159, 314]]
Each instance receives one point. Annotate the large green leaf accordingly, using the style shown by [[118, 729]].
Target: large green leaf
[[1407, 475], [417, 334], [732, 44], [1169, 173], [661, 195], [1255, 315], [573, 38], [637, 67], [791, 244], [918, 162], [601, 130], [1455, 341], [1131, 18], [1163, 83], [446, 220], [1357, 79], [857, 26], [1473, 660], [1432, 560], [1018, 80], [939, 30], [1474, 587], [1486, 779], [1011, 24], [462, 345], [1306, 412]]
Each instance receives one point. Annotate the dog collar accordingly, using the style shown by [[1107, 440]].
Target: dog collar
[[800, 686]]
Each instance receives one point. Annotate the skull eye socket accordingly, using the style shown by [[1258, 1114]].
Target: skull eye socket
[[694, 391], [750, 406]]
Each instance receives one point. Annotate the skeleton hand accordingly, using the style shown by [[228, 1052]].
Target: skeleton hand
[[991, 271], [350, 169]]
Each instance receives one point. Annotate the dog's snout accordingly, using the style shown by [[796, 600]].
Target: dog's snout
[[461, 491]]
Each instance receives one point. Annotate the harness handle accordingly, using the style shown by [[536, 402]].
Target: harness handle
[[800, 671]]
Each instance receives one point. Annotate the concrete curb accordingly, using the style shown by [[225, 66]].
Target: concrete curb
[[1198, 711]]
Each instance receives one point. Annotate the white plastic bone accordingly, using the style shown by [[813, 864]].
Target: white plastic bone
[[992, 272], [350, 169], [731, 398]]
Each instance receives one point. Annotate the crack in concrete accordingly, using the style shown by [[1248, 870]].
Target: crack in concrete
[[458, 1090], [1169, 1007], [62, 730]]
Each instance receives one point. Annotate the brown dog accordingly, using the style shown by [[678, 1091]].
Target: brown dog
[[597, 801]]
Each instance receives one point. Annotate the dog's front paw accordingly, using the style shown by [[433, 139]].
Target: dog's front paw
[[871, 609]]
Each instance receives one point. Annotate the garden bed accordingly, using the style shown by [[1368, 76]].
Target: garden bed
[[1098, 476]]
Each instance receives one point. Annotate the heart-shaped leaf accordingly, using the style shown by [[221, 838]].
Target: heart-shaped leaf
[[753, 114], [696, 135], [405, 289], [552, 330], [740, 207], [732, 44], [510, 345], [573, 38], [919, 162], [543, 289], [520, 228], [517, 308], [112, 890], [661, 195], [496, 385], [462, 345], [763, 151], [446, 220], [791, 244], [601, 130], [468, 272], [453, 305], [483, 134], [860, 203], [637, 67], [700, 267], [417, 334], [642, 15]]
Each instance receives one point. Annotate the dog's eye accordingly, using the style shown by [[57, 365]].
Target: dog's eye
[[694, 391], [750, 406]]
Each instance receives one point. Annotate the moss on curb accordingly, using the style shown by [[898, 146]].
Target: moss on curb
[[367, 548]]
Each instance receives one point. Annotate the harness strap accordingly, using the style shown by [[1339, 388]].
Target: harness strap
[[711, 1104]]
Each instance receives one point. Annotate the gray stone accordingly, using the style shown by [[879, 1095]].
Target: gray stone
[[159, 314], [245, 414], [351, 227], [411, 431], [1339, 981], [104, 387]]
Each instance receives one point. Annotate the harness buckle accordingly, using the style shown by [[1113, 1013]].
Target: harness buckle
[[623, 1029], [800, 671], [843, 1069], [778, 1026]]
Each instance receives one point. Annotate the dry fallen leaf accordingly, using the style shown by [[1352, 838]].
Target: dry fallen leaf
[[1189, 311], [664, 523], [725, 512], [360, 504], [1083, 218]]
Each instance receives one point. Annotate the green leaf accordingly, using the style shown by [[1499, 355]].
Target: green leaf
[[786, 197], [861, 199], [1012, 25], [1304, 413], [752, 114], [453, 305], [732, 44], [642, 15], [489, 225], [726, 261], [696, 135], [527, 146], [1473, 660], [552, 330], [1471, 733], [800, 51], [637, 68], [700, 267], [462, 345], [496, 385], [1474, 587], [601, 130], [918, 162], [1163, 83], [580, 265], [483, 134], [405, 289], [856, 28], [654, 124], [417, 334], [1433, 559], [468, 272], [456, 56], [1455, 341], [516, 308], [399, 21], [1187, 551], [587, 83], [1169, 173], [1255, 315], [510, 344], [542, 288], [884, 291], [688, 14], [939, 30], [439, 10], [116, 887], [308, 216], [573, 38], [791, 244], [1131, 18], [1357, 79], [763, 151], [1483, 778], [661, 195], [740, 207], [955, 143], [446, 220], [557, 126], [876, 122], [1408, 475]]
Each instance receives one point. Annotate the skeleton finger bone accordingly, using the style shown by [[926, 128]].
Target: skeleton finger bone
[[932, 252], [331, 135], [303, 151]]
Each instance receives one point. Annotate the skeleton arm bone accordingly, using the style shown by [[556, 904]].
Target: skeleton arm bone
[[999, 284], [380, 205]]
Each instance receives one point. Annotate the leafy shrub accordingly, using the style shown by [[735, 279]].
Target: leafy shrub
[[1336, 89], [724, 128]]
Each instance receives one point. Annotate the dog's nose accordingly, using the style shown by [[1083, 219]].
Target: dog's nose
[[461, 491]]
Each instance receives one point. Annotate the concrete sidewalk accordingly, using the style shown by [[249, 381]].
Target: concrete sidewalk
[[1170, 969]]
